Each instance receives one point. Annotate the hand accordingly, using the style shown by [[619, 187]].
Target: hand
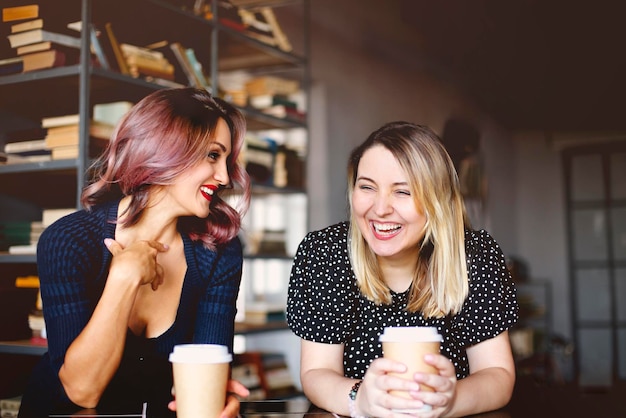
[[234, 390], [374, 399], [140, 258], [444, 385]]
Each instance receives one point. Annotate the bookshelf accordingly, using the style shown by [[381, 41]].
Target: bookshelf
[[27, 188]]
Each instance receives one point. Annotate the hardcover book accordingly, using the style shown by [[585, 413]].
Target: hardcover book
[[43, 59], [28, 25], [29, 11], [40, 35]]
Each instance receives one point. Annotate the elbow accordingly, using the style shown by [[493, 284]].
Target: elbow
[[508, 386], [81, 394], [82, 397]]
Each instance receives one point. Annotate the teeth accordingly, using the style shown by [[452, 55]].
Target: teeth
[[386, 227], [207, 190]]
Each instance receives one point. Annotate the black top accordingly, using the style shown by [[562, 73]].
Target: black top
[[326, 306]]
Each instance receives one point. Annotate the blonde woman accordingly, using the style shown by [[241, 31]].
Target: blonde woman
[[406, 258]]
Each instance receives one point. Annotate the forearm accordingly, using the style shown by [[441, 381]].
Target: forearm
[[485, 390], [328, 390], [94, 356]]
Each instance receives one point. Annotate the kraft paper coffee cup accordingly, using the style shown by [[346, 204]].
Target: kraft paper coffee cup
[[200, 377], [409, 345]]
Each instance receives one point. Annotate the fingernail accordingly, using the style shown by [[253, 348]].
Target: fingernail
[[108, 241]]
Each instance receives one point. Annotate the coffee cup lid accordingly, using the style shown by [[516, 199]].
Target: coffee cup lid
[[200, 353], [427, 334]]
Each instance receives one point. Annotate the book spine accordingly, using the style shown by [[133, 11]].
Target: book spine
[[119, 57]]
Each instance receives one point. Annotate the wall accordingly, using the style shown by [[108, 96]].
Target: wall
[[541, 220]]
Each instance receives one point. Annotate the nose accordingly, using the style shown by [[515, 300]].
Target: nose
[[383, 204], [221, 174]]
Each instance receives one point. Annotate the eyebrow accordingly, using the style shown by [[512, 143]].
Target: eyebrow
[[219, 144], [398, 183]]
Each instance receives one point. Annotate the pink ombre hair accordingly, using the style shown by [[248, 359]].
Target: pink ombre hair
[[163, 135]]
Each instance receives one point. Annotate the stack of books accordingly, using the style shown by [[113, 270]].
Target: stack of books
[[273, 95], [147, 62], [30, 231], [9, 407], [63, 136], [35, 47], [14, 233]]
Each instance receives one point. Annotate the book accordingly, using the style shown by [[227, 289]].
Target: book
[[114, 46], [43, 59], [24, 146], [39, 46], [65, 153], [183, 60], [197, 68], [11, 65], [28, 25], [50, 216], [40, 35], [142, 65], [29, 11], [63, 136], [130, 50], [52, 121], [271, 85], [111, 113], [23, 249], [262, 25], [7, 405]]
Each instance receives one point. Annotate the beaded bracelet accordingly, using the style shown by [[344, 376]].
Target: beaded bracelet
[[352, 399]]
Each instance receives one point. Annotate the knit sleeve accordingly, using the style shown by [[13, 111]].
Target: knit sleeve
[[68, 258], [215, 322]]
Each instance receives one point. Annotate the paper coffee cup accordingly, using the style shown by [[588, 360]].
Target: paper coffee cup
[[200, 377], [409, 345]]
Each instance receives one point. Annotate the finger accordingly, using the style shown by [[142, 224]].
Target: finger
[[232, 407], [442, 363], [237, 388], [113, 246], [159, 246], [171, 406], [158, 277]]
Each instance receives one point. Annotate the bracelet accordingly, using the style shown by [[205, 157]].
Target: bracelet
[[352, 400]]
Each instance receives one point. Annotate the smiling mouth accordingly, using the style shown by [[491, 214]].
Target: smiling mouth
[[386, 228], [207, 192]]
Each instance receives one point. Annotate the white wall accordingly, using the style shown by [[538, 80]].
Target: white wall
[[541, 220]]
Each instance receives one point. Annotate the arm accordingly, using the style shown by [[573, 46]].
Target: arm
[[489, 385], [94, 356], [321, 374], [324, 384]]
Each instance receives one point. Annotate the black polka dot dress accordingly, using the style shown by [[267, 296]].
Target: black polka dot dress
[[324, 303]]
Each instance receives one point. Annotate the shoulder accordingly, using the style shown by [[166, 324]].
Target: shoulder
[[332, 237], [480, 242], [230, 253], [78, 228]]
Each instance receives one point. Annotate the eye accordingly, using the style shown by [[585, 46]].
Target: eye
[[214, 155], [363, 186], [403, 192]]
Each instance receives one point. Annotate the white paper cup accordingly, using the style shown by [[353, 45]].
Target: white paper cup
[[200, 378], [409, 345]]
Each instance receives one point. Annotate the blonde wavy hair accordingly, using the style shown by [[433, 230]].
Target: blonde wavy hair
[[440, 283]]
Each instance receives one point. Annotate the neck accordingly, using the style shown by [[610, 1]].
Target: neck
[[154, 225]]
